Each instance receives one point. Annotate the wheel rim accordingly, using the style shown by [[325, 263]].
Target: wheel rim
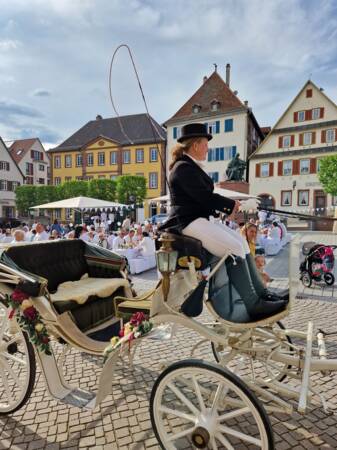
[[329, 278], [199, 407], [15, 369], [306, 280]]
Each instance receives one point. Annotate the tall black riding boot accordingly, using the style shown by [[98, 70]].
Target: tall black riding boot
[[258, 283], [257, 307]]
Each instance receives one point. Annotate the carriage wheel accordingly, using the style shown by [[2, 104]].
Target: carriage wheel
[[195, 404], [329, 279], [275, 370], [306, 279], [17, 365]]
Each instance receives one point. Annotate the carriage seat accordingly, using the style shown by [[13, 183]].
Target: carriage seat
[[73, 284]]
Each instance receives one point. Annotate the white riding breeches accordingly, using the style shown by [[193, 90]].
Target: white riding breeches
[[217, 238]]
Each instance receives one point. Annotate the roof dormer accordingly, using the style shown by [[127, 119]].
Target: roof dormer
[[196, 108]]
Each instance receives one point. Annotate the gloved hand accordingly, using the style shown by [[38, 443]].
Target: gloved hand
[[249, 205]]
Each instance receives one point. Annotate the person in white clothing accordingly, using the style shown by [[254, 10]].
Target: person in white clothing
[[147, 245], [19, 236], [7, 237], [118, 242], [131, 239], [41, 234]]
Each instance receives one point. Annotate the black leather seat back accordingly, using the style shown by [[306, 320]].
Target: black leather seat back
[[57, 261]]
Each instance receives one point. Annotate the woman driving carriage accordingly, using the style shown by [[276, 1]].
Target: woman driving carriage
[[193, 202]]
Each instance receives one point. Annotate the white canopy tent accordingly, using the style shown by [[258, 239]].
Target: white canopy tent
[[81, 203], [224, 192]]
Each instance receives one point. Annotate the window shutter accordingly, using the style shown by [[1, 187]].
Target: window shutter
[[206, 125], [41, 156], [296, 167], [335, 138], [257, 170], [295, 117], [308, 114], [313, 165], [321, 113], [271, 169], [309, 92], [313, 137], [280, 142], [233, 151], [292, 140], [279, 168], [32, 154], [174, 132], [217, 126], [301, 139], [209, 155], [323, 136]]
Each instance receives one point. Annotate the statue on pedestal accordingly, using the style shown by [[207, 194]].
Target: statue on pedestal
[[235, 169]]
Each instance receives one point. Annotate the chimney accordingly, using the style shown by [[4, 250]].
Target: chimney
[[99, 117], [246, 103], [228, 74], [204, 79]]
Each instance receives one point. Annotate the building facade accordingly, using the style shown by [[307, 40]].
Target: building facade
[[284, 169], [10, 177], [107, 148], [31, 157], [231, 122]]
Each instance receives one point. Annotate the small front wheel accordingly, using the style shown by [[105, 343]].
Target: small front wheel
[[306, 279], [196, 404], [329, 279]]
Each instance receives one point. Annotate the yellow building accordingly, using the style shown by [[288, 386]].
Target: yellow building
[[106, 148]]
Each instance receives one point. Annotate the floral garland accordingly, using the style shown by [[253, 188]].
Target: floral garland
[[29, 320], [138, 326]]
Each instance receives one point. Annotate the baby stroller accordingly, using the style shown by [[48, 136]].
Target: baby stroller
[[318, 263]]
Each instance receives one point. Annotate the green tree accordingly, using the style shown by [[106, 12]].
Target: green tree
[[328, 174], [46, 194], [25, 197], [102, 189], [69, 189], [131, 189]]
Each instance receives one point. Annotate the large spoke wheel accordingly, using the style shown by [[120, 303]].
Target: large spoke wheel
[[244, 365], [17, 365], [200, 405]]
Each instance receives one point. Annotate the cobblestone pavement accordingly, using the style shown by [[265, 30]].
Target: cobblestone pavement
[[123, 421]]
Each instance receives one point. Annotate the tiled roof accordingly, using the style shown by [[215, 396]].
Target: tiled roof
[[265, 130], [19, 148], [214, 88], [137, 127]]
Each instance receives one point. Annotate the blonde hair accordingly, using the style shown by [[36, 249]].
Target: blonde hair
[[179, 149]]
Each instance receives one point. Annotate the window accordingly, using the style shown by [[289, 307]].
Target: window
[[221, 153], [318, 165], [90, 159], [139, 155], [153, 180], [287, 167], [316, 113], [228, 125], [286, 140], [15, 184], [212, 128], [57, 180], [41, 167], [334, 200], [126, 157], [57, 162], [36, 155], [29, 180], [301, 116], [307, 138], [214, 176], [286, 198], [3, 185], [29, 168], [215, 105], [264, 170], [4, 165], [67, 161], [303, 198], [330, 135], [79, 160], [41, 180], [309, 93], [153, 154], [304, 166], [196, 109], [101, 159], [68, 178], [68, 213], [101, 177], [113, 158], [57, 213], [113, 177], [176, 132]]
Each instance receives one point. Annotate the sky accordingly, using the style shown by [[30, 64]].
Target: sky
[[55, 57]]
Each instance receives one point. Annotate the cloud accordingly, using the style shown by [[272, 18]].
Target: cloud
[[41, 93], [10, 109], [8, 44]]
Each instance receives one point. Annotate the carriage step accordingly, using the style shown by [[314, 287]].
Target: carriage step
[[80, 398]]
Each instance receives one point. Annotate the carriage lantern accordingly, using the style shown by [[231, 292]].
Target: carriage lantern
[[166, 261]]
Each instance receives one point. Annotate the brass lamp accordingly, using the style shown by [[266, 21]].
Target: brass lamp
[[166, 259]]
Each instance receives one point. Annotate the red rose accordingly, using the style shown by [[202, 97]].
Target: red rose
[[45, 339], [137, 318], [11, 314], [121, 333], [30, 313], [18, 296]]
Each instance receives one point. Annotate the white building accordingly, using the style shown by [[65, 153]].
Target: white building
[[231, 122], [10, 177], [32, 159], [284, 169]]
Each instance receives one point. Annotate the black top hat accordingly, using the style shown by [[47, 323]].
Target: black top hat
[[194, 130]]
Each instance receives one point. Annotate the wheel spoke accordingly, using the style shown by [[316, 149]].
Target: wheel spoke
[[15, 358], [3, 327], [174, 437], [224, 441], [6, 385], [213, 443], [184, 399], [239, 435], [233, 414], [217, 396], [198, 393], [177, 413]]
